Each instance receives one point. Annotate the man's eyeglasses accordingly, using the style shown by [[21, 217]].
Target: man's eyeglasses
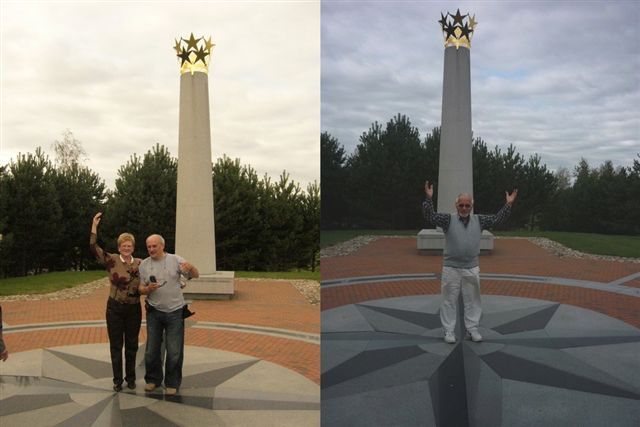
[[464, 206]]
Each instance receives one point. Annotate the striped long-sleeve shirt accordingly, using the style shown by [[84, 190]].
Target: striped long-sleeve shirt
[[444, 219]]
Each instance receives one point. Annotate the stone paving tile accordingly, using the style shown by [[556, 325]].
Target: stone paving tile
[[511, 256], [268, 303]]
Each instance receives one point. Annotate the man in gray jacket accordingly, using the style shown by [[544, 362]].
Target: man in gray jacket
[[460, 270], [160, 275]]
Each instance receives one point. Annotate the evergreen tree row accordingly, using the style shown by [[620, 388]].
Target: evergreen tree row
[[46, 212], [381, 185]]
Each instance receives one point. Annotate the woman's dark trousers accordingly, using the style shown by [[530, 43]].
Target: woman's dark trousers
[[123, 326]]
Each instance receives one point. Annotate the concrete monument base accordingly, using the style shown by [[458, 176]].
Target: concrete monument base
[[217, 285], [433, 239]]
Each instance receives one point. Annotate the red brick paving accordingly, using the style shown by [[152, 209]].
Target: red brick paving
[[633, 283], [510, 256], [267, 303], [273, 303], [343, 295], [302, 357]]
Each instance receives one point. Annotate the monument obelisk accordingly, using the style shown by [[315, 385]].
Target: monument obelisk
[[195, 227], [455, 173]]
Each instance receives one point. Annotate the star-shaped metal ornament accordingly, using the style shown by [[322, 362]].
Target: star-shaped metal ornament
[[450, 30], [209, 45], [457, 18], [465, 31], [472, 22], [201, 54], [192, 43], [184, 55], [443, 20], [193, 54], [177, 47], [457, 31]]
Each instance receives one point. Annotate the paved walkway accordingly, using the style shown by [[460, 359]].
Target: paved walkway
[[562, 340], [255, 357]]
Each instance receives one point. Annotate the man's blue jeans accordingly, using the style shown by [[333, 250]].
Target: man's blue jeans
[[159, 322]]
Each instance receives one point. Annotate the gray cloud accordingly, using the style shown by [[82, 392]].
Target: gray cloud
[[561, 79]]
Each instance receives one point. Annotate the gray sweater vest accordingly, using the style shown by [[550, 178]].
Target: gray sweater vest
[[462, 244]]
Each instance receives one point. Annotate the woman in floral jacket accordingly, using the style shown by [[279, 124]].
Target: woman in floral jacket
[[124, 313]]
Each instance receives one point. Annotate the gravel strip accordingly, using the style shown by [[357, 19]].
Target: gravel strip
[[350, 246], [310, 290], [69, 293]]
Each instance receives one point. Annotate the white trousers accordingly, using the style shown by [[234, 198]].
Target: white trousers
[[453, 280]]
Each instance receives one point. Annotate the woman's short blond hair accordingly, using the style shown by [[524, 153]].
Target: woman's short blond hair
[[126, 237]]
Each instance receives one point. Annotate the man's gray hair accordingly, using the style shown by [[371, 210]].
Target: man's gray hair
[[159, 238], [464, 195]]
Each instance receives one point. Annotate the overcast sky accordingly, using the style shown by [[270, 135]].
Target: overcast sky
[[107, 71], [561, 79]]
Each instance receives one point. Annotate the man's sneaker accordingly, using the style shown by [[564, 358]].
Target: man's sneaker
[[131, 385], [170, 391], [474, 335], [117, 387], [149, 387], [449, 338]]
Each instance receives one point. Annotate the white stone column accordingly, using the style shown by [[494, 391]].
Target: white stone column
[[195, 230], [455, 173], [195, 226]]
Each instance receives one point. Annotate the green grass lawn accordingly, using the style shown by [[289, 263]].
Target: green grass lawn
[[600, 244], [48, 282], [51, 282]]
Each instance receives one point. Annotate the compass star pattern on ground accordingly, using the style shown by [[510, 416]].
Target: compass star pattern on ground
[[384, 362], [71, 386]]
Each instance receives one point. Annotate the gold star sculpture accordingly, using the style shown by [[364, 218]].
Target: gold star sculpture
[[192, 42], [209, 45], [194, 54], [457, 29]]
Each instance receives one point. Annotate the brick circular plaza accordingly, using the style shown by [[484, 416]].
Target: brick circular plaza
[[255, 357]]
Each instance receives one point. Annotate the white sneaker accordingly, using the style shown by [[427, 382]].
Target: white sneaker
[[449, 337], [474, 335]]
